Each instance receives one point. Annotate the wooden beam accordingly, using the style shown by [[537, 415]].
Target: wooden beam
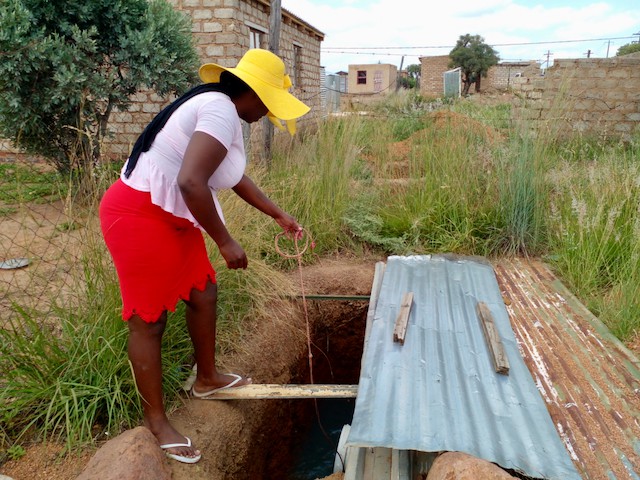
[[275, 391], [402, 320], [492, 337]]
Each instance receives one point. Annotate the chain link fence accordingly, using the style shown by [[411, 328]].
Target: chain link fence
[[45, 229]]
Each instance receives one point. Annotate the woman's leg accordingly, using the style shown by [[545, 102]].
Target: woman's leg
[[144, 353], [201, 322]]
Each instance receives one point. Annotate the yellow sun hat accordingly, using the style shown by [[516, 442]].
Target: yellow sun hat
[[264, 72]]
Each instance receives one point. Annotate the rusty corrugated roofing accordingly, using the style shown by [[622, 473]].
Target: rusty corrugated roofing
[[590, 382]]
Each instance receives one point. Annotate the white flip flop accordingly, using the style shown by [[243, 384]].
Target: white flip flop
[[231, 384], [180, 458]]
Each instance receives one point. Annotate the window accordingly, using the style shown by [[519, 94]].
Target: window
[[297, 66], [255, 38], [257, 34], [362, 77]]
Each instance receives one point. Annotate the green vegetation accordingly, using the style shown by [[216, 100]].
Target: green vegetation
[[21, 184], [405, 180], [628, 48], [474, 57], [66, 66]]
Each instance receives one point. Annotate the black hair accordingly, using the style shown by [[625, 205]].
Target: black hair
[[229, 84]]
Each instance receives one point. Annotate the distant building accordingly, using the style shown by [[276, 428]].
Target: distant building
[[500, 77], [372, 79]]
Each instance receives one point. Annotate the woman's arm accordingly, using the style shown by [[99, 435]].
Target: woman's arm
[[250, 193], [203, 156]]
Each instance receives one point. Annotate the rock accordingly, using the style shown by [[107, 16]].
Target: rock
[[4, 477], [460, 466], [133, 455]]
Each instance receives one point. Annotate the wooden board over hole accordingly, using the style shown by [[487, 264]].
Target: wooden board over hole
[[256, 391]]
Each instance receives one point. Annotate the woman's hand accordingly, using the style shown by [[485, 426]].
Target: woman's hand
[[233, 254], [289, 225]]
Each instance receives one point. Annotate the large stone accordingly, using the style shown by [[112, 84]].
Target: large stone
[[460, 466], [133, 455]]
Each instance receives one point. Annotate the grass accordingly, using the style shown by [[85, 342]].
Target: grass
[[416, 177], [24, 183]]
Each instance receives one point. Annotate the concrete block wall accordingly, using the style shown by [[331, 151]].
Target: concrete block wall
[[504, 75], [597, 96]]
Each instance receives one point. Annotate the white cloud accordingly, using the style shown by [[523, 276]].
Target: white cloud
[[369, 25]]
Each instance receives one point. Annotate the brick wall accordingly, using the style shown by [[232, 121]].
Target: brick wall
[[431, 71], [598, 96]]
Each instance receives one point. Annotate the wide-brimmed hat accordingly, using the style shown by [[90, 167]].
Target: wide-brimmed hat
[[264, 72]]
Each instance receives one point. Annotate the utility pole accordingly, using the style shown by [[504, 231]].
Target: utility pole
[[275, 20], [608, 45], [399, 74], [548, 54], [588, 54]]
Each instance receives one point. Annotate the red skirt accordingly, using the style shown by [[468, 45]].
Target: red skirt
[[160, 258]]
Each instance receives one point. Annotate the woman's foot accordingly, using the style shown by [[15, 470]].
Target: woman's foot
[[204, 388], [176, 445]]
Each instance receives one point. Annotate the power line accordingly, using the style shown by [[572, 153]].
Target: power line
[[331, 49]]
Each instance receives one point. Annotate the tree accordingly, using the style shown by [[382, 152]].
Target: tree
[[628, 48], [64, 67], [474, 57], [414, 72]]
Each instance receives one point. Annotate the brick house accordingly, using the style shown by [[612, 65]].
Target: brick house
[[224, 30]]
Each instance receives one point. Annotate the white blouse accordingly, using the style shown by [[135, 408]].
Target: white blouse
[[157, 169]]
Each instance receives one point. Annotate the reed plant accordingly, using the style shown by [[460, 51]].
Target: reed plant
[[311, 178], [595, 227]]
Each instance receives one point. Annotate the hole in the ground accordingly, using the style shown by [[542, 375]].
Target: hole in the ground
[[337, 339]]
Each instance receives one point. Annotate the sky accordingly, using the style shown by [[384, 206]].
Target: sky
[[398, 32]]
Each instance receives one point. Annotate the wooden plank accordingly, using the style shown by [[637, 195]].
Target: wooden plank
[[355, 463], [318, 296], [376, 286], [275, 391], [492, 337], [400, 329]]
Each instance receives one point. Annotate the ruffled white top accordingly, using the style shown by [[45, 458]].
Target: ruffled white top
[[157, 169]]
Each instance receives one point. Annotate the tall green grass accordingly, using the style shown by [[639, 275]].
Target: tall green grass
[[404, 180], [595, 228]]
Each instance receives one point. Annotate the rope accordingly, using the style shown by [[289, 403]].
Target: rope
[[298, 256]]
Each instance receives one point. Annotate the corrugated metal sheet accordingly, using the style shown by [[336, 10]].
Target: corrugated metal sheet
[[439, 391], [590, 382]]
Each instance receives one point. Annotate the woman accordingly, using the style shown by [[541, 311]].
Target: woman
[[152, 218]]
